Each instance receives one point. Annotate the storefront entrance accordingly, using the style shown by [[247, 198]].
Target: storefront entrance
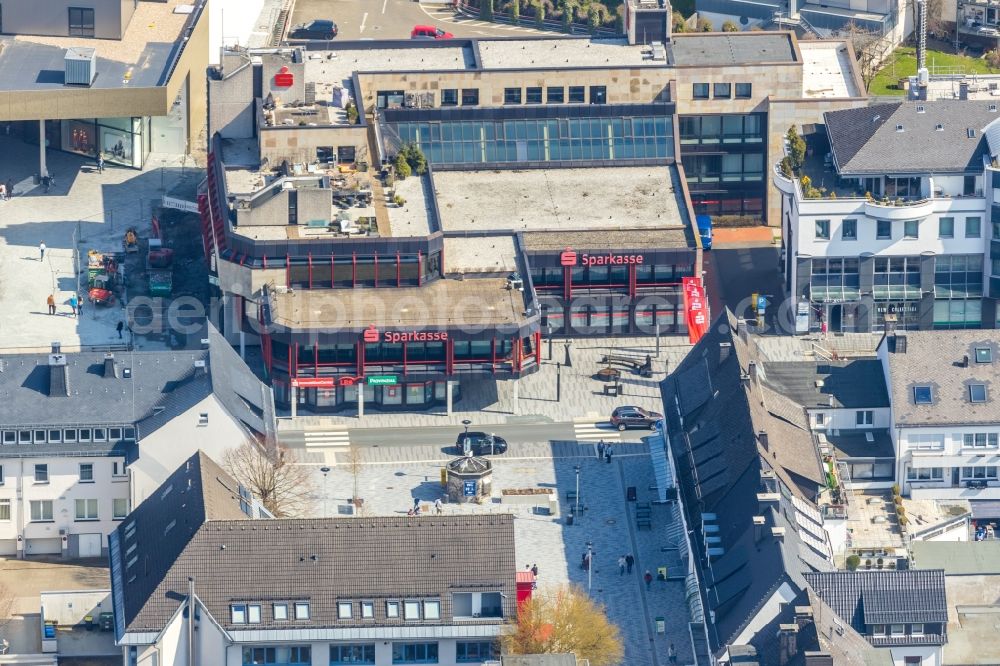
[[408, 396], [121, 141]]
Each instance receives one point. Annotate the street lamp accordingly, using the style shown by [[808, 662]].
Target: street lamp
[[590, 565], [325, 470], [466, 444], [466, 423], [576, 507]]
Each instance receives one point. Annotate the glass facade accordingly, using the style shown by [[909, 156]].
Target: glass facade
[[541, 139]]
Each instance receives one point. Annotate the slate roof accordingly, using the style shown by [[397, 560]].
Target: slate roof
[[857, 384], [936, 359], [866, 141], [862, 598], [732, 48], [316, 560]]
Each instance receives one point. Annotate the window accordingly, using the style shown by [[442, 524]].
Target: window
[[911, 229], [81, 22], [24, 437], [392, 609], [474, 651], [470, 96], [119, 508], [301, 611], [352, 654], [984, 355], [344, 610], [299, 654], [100, 435], [598, 94], [41, 511], [744, 90], [449, 97], [722, 90], [4, 509], [533, 95], [114, 434], [41, 473], [258, 656], [913, 660], [925, 442], [946, 227], [203, 416], [577, 94], [10, 437], [849, 230], [973, 227], [432, 610], [511, 95], [864, 417], [69, 436], [979, 472], [883, 229], [820, 418], [411, 610], [978, 440], [897, 629], [280, 612], [977, 392], [555, 95], [822, 229], [368, 609], [916, 630], [86, 509], [253, 613], [238, 613], [86, 472], [922, 395], [414, 653], [85, 434], [699, 91], [878, 630], [925, 474], [39, 437], [117, 469]]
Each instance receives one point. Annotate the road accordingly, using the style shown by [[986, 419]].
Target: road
[[442, 435], [394, 19], [739, 270]]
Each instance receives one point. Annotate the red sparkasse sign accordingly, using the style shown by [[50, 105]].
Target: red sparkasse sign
[[695, 308], [284, 78], [567, 258]]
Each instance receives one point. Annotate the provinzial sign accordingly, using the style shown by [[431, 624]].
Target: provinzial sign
[[570, 258], [382, 380]]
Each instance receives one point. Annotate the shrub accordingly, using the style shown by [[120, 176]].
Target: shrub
[[730, 26], [677, 23], [853, 561], [567, 17], [352, 113], [402, 167], [415, 158], [897, 500], [398, 200], [992, 59], [895, 486], [704, 25], [786, 166], [833, 195], [796, 147], [540, 14]]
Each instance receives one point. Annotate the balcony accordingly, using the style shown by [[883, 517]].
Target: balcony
[[900, 209]]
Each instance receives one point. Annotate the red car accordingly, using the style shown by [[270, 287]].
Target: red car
[[429, 32]]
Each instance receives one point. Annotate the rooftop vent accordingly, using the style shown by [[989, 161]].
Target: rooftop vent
[[921, 108], [939, 127], [992, 108], [899, 127], [971, 133], [110, 369], [80, 66], [877, 118]]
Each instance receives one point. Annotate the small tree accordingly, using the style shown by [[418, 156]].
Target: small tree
[[415, 158], [677, 23], [992, 58], [566, 620], [593, 18], [853, 561], [786, 166], [730, 26], [704, 25], [871, 49], [796, 147], [402, 166], [272, 473], [620, 20]]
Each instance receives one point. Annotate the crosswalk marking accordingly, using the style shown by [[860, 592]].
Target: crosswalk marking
[[333, 438], [589, 431]]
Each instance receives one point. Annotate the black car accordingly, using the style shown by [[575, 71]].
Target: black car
[[481, 443], [318, 29], [634, 417]]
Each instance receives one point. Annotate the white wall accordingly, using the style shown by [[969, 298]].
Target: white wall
[[69, 608], [930, 655], [846, 419], [231, 22]]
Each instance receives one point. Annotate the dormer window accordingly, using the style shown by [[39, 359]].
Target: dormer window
[[922, 395], [899, 128], [984, 355], [993, 108], [920, 108], [977, 392]]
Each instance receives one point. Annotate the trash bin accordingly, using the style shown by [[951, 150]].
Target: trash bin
[[569, 518]]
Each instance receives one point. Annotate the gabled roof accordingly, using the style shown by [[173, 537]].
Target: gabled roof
[[857, 384], [936, 359], [867, 140]]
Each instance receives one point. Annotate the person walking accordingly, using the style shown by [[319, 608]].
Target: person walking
[[438, 506], [672, 654], [51, 300], [648, 577], [41, 251], [100, 163], [600, 449], [79, 306], [119, 327], [10, 188], [534, 570], [46, 182], [608, 452], [73, 302], [621, 565], [629, 563]]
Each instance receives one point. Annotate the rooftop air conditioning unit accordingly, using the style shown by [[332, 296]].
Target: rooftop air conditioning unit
[[81, 66]]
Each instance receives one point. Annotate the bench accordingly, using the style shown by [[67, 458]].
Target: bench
[[637, 365]]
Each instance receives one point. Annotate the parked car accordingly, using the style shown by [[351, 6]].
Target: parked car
[[634, 417], [318, 29], [481, 443], [429, 32]]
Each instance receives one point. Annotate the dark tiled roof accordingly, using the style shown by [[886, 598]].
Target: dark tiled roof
[[884, 596], [850, 384], [855, 444], [936, 359], [732, 48], [866, 140]]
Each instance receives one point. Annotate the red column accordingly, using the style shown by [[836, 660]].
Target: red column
[[632, 287], [567, 282], [538, 347], [518, 350], [360, 346], [316, 359]]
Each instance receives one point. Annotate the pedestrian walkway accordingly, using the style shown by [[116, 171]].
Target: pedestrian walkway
[[588, 431]]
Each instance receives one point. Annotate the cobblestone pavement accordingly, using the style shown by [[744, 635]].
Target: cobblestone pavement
[[389, 482]]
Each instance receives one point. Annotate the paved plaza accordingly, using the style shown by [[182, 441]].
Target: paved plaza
[[390, 479]]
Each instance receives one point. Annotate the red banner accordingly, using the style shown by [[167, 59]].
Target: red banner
[[695, 309]]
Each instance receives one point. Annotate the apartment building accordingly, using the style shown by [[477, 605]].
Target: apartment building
[[384, 590], [890, 221], [88, 435], [105, 77]]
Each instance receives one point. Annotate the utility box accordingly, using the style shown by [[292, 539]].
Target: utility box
[[81, 66]]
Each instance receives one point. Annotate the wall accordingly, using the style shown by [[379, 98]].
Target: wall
[[69, 608], [846, 419], [298, 145], [231, 113], [190, 67], [930, 655], [23, 17]]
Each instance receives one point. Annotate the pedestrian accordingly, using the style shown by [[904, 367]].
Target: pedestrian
[[3, 192], [51, 300], [10, 188], [600, 449], [629, 562], [648, 577], [438, 507], [46, 182], [79, 306], [672, 654], [621, 565], [534, 570], [586, 561], [416, 503], [41, 251], [608, 453], [119, 328], [100, 163], [73, 302]]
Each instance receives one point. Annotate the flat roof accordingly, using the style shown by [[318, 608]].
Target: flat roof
[[139, 60], [828, 70], [958, 558], [339, 65], [477, 302], [415, 217], [736, 48], [553, 241], [562, 52], [480, 254], [618, 198]]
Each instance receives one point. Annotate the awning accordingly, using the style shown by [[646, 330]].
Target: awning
[[983, 509]]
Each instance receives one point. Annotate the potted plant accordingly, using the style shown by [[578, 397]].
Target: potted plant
[[852, 562]]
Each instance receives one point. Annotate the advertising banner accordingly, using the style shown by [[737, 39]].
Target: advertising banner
[[695, 309]]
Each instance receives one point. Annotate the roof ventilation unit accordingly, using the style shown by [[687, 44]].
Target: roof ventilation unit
[[81, 66]]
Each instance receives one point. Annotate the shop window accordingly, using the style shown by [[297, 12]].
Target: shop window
[[533, 95], [511, 95], [81, 22], [449, 97], [414, 653], [470, 97], [359, 653], [555, 95], [699, 91], [324, 154], [576, 94]]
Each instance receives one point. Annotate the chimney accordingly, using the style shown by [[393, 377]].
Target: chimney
[[724, 349], [788, 647], [762, 438], [110, 369], [803, 616], [768, 481], [58, 374], [753, 371], [767, 501], [779, 535], [965, 361], [963, 90], [759, 523]]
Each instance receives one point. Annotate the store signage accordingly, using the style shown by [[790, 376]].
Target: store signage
[[469, 488], [382, 380], [570, 258], [313, 382], [284, 78], [695, 309], [372, 335]]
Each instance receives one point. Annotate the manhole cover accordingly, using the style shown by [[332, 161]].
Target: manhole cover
[[610, 521]]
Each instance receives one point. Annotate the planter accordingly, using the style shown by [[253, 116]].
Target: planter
[[527, 496]]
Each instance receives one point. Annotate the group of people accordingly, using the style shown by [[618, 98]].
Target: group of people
[[625, 564], [6, 189], [75, 307], [415, 510], [604, 451]]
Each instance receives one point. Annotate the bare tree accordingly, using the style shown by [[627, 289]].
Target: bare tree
[[274, 475], [871, 48], [935, 24], [6, 605], [355, 462]]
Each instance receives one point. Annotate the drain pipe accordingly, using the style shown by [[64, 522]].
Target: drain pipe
[[190, 622]]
